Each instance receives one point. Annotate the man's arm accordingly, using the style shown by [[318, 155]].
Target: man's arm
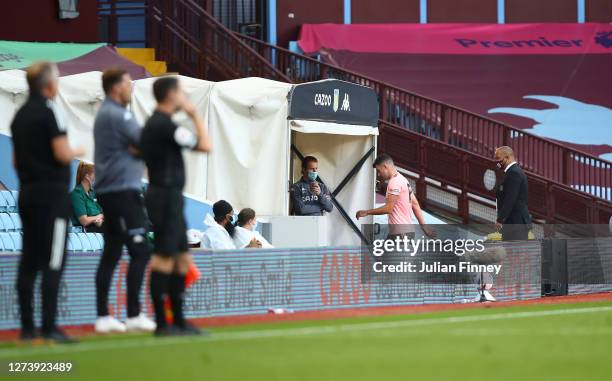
[[325, 199], [418, 213], [204, 144], [62, 151], [385, 209]]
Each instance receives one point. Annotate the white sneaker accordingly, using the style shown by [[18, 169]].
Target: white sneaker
[[140, 323], [108, 324]]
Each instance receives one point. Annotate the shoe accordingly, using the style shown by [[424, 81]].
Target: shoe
[[166, 331], [108, 324], [190, 330], [140, 323], [28, 335], [57, 336]]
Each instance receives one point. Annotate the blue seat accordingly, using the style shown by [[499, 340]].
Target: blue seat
[[15, 194], [76, 229], [85, 242], [7, 242], [3, 203], [17, 240], [6, 223], [74, 243], [100, 239], [16, 221], [11, 203]]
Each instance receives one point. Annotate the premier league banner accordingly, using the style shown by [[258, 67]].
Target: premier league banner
[[550, 79]]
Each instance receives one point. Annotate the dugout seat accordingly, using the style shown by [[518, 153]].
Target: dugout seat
[[3, 203], [16, 221], [7, 242], [74, 243], [85, 242], [17, 240], [6, 223], [11, 203]]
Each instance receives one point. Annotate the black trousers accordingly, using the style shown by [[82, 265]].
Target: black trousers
[[124, 224], [44, 221], [515, 232]]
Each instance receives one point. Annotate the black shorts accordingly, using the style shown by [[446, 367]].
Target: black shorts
[[124, 216], [165, 207]]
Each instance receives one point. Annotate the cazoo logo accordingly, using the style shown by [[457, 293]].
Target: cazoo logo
[[340, 279], [326, 100]]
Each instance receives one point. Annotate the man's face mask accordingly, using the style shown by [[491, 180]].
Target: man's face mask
[[500, 164], [312, 176]]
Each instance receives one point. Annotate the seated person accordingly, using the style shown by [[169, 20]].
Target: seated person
[[245, 230], [309, 196], [221, 228], [86, 211]]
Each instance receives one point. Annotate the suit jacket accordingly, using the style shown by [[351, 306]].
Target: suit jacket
[[512, 197]]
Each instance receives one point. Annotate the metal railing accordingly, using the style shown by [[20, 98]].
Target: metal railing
[[437, 141], [193, 42], [455, 126]]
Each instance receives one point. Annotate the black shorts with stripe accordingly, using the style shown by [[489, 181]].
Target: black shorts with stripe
[[165, 208]]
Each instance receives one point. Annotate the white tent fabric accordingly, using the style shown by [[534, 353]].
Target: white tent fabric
[[248, 126], [198, 92]]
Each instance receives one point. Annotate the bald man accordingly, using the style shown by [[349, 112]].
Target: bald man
[[513, 218]]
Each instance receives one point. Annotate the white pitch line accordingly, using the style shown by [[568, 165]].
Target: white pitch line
[[19, 352]]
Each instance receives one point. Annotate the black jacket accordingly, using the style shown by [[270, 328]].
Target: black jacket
[[512, 195]]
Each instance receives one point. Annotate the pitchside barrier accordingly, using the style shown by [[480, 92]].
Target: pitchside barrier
[[252, 281]]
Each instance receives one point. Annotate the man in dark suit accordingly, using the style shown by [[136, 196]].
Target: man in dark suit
[[513, 217]]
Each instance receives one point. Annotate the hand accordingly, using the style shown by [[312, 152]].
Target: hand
[[315, 188], [188, 107], [361, 213], [254, 244], [431, 233], [498, 225]]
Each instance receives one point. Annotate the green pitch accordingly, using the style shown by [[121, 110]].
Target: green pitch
[[560, 342]]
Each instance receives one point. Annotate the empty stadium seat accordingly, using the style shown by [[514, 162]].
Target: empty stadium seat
[[76, 229], [74, 243], [85, 242], [11, 203], [7, 242], [100, 239], [15, 194], [16, 221], [17, 241], [6, 223], [3, 203]]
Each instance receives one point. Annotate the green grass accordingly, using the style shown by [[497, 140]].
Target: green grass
[[560, 342]]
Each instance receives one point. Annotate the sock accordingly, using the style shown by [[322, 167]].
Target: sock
[[159, 287], [176, 291]]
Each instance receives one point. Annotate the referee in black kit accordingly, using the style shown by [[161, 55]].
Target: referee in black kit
[[161, 144], [42, 158]]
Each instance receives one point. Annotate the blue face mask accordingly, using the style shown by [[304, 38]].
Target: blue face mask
[[312, 176]]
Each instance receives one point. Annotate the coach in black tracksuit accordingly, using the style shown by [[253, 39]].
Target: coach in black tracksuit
[[42, 158], [513, 216]]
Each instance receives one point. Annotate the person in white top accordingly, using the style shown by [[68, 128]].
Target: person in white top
[[245, 230], [221, 228]]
